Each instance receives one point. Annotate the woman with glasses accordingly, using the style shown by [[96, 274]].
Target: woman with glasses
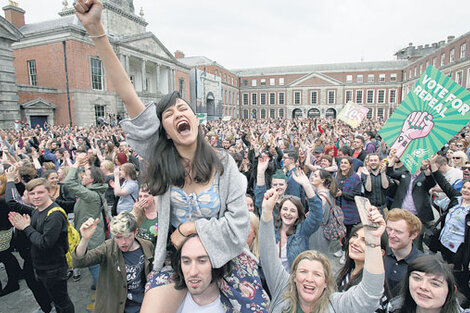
[[458, 159]]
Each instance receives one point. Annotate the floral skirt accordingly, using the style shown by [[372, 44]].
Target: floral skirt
[[241, 290]]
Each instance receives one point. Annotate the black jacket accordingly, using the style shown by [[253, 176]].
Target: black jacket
[[420, 192], [48, 237]]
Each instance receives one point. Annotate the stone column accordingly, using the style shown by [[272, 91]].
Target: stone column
[[158, 80], [143, 74], [170, 85]]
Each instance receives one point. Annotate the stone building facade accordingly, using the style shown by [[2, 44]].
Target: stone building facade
[[58, 69], [214, 89], [9, 108]]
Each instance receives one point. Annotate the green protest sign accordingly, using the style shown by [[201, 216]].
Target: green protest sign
[[202, 117], [432, 113]]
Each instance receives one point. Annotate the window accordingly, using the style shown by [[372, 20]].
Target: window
[[404, 75], [245, 114], [443, 59], [225, 97], [181, 86], [281, 113], [297, 98], [381, 96], [452, 55], [253, 99], [253, 113], [370, 78], [348, 96], [390, 112], [263, 113], [349, 78], [245, 99], [393, 77], [381, 77], [272, 113], [271, 82], [370, 96], [427, 64], [225, 77], [331, 97], [392, 96], [272, 98], [230, 98], [99, 111], [468, 78], [314, 97], [33, 75], [253, 83], [380, 113], [281, 98], [434, 61], [281, 81], [216, 72], [262, 99], [463, 50], [369, 114], [245, 82], [96, 74], [416, 71], [359, 96], [360, 78], [420, 69], [262, 82], [132, 79], [459, 77]]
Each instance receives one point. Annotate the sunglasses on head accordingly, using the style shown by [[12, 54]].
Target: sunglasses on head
[[465, 168], [456, 158]]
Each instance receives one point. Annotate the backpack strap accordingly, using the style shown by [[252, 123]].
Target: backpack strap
[[55, 209]]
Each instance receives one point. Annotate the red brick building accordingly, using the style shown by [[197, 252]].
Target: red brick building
[[61, 79]]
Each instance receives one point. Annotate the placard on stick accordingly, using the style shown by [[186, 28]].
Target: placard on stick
[[431, 114]]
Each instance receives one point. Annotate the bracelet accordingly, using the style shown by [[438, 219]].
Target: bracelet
[[97, 36], [372, 245], [179, 231]]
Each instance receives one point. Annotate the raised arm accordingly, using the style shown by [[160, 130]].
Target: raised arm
[[89, 13]]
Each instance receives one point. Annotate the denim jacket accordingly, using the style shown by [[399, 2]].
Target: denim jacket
[[298, 242]]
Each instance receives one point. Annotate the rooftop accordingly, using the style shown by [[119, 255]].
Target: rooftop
[[335, 67]]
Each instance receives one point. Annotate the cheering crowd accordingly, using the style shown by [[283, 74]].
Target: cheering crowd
[[170, 215]]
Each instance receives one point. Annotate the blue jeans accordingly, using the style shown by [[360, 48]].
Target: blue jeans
[[94, 271]]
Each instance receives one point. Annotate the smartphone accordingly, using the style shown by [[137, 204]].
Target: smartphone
[[363, 206]]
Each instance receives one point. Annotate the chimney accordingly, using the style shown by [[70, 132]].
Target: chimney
[[450, 38], [14, 14], [179, 54]]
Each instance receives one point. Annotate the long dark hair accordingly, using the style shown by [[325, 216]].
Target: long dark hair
[[330, 181], [178, 277], [349, 265], [430, 264], [349, 173], [300, 212], [167, 167]]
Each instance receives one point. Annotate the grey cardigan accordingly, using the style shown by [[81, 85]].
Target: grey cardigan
[[224, 237], [363, 297]]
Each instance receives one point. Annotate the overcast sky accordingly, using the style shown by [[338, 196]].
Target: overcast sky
[[258, 33]]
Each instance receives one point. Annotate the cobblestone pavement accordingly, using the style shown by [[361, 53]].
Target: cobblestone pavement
[[22, 301]]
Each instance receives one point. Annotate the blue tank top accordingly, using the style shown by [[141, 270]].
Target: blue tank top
[[191, 207]]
